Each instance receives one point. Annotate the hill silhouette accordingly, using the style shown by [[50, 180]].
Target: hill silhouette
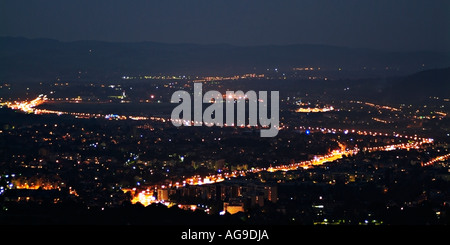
[[22, 58], [420, 86]]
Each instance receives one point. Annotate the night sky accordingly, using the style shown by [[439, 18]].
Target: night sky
[[397, 25]]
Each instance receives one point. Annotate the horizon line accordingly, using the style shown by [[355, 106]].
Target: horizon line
[[224, 44]]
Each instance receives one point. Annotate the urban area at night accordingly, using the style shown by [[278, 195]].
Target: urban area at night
[[88, 134]]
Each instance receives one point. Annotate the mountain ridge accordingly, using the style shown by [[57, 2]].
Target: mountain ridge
[[49, 58]]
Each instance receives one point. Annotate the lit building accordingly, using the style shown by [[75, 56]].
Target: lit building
[[163, 194], [233, 206], [271, 193]]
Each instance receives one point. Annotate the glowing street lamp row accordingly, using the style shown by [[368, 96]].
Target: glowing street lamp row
[[437, 159]]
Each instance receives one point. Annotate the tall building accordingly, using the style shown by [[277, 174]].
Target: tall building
[[163, 194], [271, 193]]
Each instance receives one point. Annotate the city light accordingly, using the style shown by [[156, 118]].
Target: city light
[[436, 159], [27, 106], [314, 110]]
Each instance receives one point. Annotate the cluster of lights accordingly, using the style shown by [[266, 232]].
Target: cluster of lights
[[382, 107], [146, 197], [237, 77], [31, 186], [317, 160], [27, 106], [380, 120], [437, 159], [364, 132], [403, 146], [37, 184], [314, 110], [9, 184]]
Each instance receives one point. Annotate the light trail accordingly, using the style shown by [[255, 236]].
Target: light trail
[[382, 107], [314, 110], [146, 195], [436, 159], [362, 132], [27, 106]]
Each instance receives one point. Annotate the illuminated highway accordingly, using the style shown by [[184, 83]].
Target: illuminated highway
[[146, 197], [314, 110], [27, 106]]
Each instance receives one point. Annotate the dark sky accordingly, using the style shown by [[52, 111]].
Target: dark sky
[[381, 24]]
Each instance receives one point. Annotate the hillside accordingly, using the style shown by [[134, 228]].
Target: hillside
[[420, 86], [25, 59]]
